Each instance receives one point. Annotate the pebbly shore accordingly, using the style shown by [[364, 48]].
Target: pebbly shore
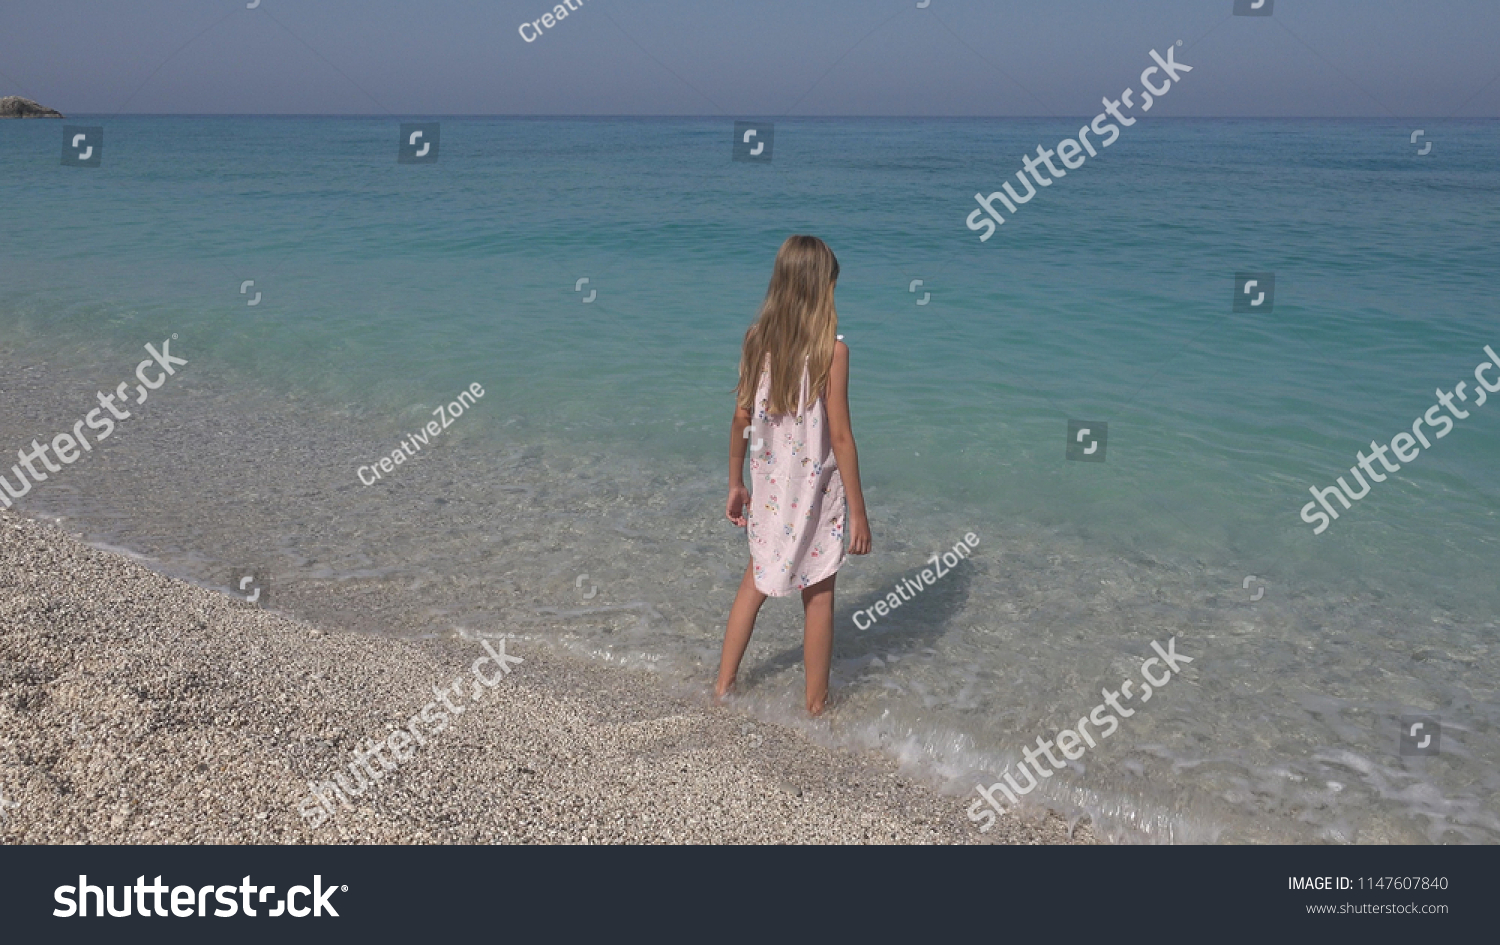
[[136, 708]]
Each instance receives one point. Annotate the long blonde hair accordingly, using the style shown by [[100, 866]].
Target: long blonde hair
[[797, 324]]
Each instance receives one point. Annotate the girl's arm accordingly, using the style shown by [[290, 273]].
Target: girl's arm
[[739, 496], [841, 434]]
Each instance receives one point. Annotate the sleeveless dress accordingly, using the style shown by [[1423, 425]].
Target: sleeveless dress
[[797, 508]]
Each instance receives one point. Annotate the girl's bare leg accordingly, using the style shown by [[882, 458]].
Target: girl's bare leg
[[737, 635], [817, 641]]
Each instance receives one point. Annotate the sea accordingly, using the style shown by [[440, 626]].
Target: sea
[[594, 278]]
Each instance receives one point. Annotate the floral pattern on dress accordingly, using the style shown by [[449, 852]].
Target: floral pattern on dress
[[796, 533]]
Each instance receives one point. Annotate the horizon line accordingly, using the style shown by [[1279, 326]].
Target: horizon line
[[702, 117]]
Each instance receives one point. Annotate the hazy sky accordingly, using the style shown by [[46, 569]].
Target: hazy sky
[[760, 58]]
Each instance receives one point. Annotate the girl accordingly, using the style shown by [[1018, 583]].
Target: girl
[[792, 411]]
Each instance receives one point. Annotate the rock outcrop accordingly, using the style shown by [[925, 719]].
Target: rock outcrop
[[14, 106]]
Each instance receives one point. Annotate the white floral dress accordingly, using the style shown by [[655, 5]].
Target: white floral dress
[[797, 509]]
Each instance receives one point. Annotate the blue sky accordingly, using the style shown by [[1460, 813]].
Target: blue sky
[[763, 58]]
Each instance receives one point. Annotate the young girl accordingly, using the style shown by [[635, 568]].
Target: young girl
[[792, 411]]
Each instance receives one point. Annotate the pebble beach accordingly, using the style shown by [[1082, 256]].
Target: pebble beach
[[137, 708]]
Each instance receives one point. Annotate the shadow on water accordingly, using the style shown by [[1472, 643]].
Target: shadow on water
[[917, 623]]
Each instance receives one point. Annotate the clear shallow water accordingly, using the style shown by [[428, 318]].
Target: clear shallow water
[[599, 447]]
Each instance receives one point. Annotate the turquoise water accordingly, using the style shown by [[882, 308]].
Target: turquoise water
[[600, 445]]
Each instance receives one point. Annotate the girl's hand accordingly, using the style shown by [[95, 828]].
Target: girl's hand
[[734, 509], [860, 540]]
